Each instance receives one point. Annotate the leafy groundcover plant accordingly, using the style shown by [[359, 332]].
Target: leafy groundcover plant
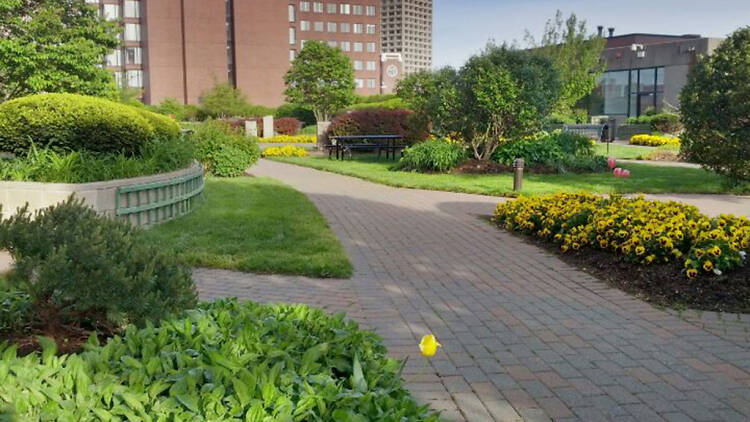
[[223, 361]]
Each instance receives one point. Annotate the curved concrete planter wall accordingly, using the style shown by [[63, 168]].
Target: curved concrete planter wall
[[142, 200]]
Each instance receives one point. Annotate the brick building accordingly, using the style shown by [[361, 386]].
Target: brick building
[[180, 48]]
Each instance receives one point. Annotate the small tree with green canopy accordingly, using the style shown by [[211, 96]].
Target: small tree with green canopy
[[433, 96], [575, 54], [322, 78], [503, 93], [54, 46], [716, 111]]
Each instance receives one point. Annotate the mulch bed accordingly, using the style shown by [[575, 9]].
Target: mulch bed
[[663, 285], [491, 167]]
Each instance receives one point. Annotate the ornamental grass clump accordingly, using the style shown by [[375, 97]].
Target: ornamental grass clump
[[644, 232], [224, 361]]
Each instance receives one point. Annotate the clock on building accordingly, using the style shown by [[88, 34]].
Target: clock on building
[[392, 71]]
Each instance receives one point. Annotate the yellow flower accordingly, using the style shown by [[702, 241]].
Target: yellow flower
[[708, 265], [692, 273], [699, 253], [640, 250], [715, 251], [650, 259], [429, 345]]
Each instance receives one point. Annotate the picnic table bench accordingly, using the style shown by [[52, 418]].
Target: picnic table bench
[[340, 145]]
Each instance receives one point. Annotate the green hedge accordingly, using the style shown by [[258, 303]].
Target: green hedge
[[69, 122], [225, 361], [223, 151], [164, 127]]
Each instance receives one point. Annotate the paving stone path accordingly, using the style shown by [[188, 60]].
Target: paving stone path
[[525, 336]]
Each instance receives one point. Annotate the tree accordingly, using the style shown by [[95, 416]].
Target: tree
[[575, 54], [433, 96], [54, 46], [716, 112], [322, 78], [504, 93], [223, 100]]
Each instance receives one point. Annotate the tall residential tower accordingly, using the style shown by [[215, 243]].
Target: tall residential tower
[[407, 29]]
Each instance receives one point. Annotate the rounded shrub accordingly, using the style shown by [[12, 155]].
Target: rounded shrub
[[80, 267], [164, 127], [69, 122], [223, 151], [435, 154], [666, 123]]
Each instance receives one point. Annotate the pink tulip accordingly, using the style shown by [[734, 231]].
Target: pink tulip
[[618, 172], [626, 173], [612, 162]]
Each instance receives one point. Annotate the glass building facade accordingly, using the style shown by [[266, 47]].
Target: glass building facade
[[629, 92]]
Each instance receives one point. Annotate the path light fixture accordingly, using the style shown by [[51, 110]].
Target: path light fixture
[[518, 174]]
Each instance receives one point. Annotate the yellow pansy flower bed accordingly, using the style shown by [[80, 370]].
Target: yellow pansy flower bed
[[285, 151], [289, 139], [654, 140], [645, 232]]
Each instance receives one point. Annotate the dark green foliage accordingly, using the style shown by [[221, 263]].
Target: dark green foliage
[[433, 155], [15, 310], [535, 150], [562, 151], [223, 362], [666, 123], [69, 122], [715, 109], [45, 165], [78, 266], [301, 113], [54, 46], [223, 151]]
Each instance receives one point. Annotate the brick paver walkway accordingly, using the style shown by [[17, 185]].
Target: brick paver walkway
[[525, 336]]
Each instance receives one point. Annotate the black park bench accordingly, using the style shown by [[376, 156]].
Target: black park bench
[[342, 145]]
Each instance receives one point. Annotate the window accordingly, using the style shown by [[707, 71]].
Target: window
[[370, 10], [292, 55], [134, 78], [132, 9], [292, 36], [333, 43], [370, 29], [318, 7], [358, 47], [359, 83], [346, 46], [358, 28], [370, 47], [132, 32], [346, 9], [357, 9], [111, 11], [372, 83], [358, 65], [118, 79], [331, 8], [332, 27], [371, 65], [304, 6], [292, 15], [114, 58], [304, 25], [319, 26], [345, 27], [301, 44], [133, 55]]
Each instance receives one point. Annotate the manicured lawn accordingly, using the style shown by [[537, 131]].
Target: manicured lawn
[[256, 225], [630, 152], [644, 179]]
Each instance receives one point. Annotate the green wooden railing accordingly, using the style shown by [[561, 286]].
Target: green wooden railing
[[151, 203]]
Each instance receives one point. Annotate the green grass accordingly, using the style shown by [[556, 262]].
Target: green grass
[[630, 152], [255, 225], [644, 179]]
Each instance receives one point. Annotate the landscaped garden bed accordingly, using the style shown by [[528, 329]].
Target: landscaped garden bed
[[667, 253]]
